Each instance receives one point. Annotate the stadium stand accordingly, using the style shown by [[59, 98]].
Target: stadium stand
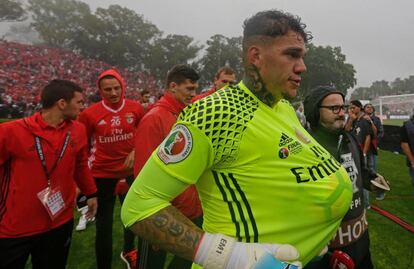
[[25, 69]]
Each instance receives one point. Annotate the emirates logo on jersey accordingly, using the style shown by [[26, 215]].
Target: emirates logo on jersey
[[177, 146]]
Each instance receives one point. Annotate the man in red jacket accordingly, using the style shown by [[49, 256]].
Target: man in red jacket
[[41, 159], [224, 76], [110, 125], [153, 128]]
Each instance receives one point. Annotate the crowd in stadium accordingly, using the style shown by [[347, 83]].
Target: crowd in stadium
[[25, 69]]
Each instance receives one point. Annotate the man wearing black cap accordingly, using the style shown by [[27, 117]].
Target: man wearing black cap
[[325, 112]]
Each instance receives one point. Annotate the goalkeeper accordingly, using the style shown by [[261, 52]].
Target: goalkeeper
[[269, 191], [325, 112]]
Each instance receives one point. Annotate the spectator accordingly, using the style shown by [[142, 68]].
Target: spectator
[[301, 115], [24, 69], [378, 133], [362, 129], [407, 145], [146, 99], [325, 111], [224, 76]]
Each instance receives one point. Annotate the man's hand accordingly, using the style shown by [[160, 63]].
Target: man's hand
[[92, 207], [129, 161], [352, 116], [217, 251], [379, 184], [367, 117]]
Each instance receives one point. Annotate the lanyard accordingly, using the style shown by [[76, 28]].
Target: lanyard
[[42, 156]]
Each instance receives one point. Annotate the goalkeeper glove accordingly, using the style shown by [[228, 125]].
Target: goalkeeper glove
[[217, 251]]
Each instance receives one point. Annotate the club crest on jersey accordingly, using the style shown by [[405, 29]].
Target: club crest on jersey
[[129, 118], [177, 146]]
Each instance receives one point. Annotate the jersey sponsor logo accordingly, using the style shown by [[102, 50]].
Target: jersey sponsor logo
[[102, 122], [115, 138], [177, 146], [326, 166]]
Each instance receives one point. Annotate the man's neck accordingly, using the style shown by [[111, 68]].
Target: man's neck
[[327, 138], [255, 84], [52, 117]]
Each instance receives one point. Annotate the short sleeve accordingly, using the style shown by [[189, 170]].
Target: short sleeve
[[185, 153]]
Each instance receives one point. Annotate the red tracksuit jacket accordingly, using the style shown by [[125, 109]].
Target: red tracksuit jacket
[[22, 175], [152, 130]]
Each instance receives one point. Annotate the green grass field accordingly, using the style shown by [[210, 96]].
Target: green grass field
[[394, 122], [392, 247]]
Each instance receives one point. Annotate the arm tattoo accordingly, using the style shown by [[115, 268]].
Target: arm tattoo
[[254, 82], [171, 231]]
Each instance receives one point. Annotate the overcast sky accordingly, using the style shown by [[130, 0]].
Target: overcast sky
[[375, 35]]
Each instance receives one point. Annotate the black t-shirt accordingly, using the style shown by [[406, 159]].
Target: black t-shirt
[[361, 128], [403, 134]]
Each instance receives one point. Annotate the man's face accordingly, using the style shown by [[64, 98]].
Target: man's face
[[111, 90], [72, 109], [369, 109], [355, 110], [281, 64], [224, 79], [146, 98], [328, 118], [185, 91]]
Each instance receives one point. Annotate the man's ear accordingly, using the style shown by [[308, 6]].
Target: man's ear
[[61, 103], [172, 86], [254, 55]]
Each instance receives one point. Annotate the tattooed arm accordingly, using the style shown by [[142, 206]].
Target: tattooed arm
[[171, 231], [148, 213]]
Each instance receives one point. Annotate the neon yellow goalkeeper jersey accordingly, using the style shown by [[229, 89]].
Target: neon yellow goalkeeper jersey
[[260, 176]]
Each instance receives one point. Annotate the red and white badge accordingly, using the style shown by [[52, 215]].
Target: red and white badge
[[52, 200], [177, 146]]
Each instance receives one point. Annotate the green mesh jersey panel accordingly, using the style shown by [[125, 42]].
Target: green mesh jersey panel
[[222, 117], [260, 176]]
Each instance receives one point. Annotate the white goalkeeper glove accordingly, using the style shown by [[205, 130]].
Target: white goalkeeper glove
[[217, 251]]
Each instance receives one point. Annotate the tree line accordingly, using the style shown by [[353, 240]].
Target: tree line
[[383, 87], [124, 38]]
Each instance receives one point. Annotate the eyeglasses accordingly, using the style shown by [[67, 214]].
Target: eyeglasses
[[336, 109]]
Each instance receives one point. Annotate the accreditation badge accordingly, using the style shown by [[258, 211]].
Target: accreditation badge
[[52, 200]]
